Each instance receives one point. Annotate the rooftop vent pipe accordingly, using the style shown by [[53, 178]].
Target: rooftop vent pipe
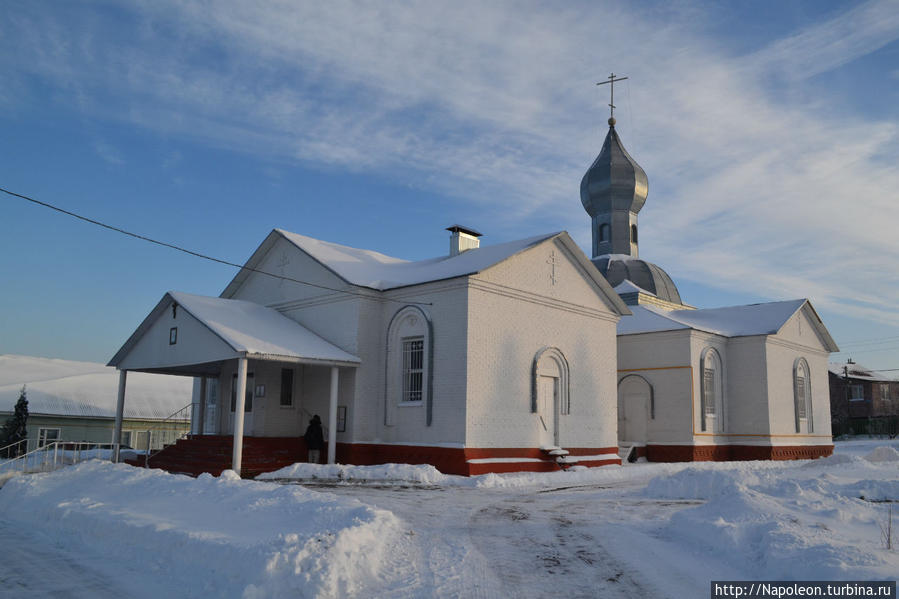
[[462, 239]]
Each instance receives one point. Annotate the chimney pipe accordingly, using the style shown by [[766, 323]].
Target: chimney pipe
[[462, 239]]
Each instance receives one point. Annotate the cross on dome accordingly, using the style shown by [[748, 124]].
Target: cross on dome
[[611, 81]]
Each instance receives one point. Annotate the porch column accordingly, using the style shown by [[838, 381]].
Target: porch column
[[332, 418], [201, 411], [119, 411], [240, 402]]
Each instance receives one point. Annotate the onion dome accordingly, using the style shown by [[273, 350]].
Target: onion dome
[[614, 181], [617, 268]]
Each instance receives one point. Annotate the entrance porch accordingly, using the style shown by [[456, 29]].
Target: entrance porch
[[261, 375]]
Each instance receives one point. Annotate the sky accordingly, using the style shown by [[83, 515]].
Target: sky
[[769, 132]]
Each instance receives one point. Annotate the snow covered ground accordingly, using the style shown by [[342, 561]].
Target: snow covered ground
[[644, 530]]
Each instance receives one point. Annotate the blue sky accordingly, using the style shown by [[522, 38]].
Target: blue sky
[[768, 131]]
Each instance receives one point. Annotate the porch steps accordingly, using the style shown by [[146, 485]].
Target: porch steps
[[627, 452], [560, 456], [212, 453]]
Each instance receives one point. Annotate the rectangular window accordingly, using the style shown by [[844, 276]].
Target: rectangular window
[[856, 393], [173, 335], [212, 392], [248, 396], [884, 391], [287, 387], [341, 419], [126, 438], [413, 368], [47, 435], [708, 396], [800, 397]]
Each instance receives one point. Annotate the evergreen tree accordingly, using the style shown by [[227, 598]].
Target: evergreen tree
[[14, 430]]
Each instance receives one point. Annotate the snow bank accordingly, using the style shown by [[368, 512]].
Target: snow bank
[[883, 454], [426, 475], [821, 520], [222, 537], [423, 474]]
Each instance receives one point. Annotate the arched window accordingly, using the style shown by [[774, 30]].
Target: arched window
[[802, 396], [410, 353], [603, 232], [633, 233], [711, 390]]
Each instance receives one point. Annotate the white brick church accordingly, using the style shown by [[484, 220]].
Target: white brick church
[[525, 355]]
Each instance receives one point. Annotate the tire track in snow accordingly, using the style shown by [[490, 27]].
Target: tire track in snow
[[536, 546]]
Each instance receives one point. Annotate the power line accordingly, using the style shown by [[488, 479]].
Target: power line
[[877, 341], [198, 254]]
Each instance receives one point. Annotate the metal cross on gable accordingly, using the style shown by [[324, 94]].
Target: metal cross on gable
[[611, 81], [552, 262], [282, 264]]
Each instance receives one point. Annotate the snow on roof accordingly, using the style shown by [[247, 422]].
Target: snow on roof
[[857, 371], [367, 268], [627, 286], [254, 329], [732, 321], [87, 389], [616, 257]]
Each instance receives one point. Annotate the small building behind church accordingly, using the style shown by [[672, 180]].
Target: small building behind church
[[863, 401], [74, 401]]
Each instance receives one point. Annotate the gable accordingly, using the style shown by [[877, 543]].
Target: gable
[[278, 256], [805, 328], [149, 348], [555, 269]]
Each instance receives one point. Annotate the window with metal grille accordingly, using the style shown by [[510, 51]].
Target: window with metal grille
[[801, 399], [413, 368], [709, 398]]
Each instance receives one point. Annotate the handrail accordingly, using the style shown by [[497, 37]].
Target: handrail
[[173, 416], [55, 455], [178, 411], [5, 450]]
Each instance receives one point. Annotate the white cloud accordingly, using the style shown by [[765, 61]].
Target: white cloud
[[495, 103], [835, 42], [108, 153]]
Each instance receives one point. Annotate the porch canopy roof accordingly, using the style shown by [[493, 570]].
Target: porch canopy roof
[[194, 335]]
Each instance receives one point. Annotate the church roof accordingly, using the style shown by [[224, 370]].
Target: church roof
[[248, 329], [87, 389], [731, 321], [374, 270], [617, 268], [367, 268], [627, 286], [614, 180]]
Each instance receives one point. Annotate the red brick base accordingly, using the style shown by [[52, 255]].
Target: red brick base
[[450, 460], [718, 453]]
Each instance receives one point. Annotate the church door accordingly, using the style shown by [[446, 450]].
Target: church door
[[633, 410], [548, 410], [247, 408]]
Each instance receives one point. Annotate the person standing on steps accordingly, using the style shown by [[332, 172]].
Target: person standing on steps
[[315, 439]]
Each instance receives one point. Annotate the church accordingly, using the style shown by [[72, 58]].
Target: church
[[521, 356]]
